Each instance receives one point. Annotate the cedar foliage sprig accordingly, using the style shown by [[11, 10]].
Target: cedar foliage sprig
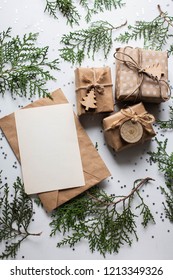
[[15, 217], [168, 206], [96, 217], [155, 32], [164, 161], [87, 42], [70, 12], [168, 124], [67, 8], [165, 165], [99, 6], [24, 67]]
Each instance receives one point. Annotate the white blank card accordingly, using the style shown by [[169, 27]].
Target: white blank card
[[49, 150]]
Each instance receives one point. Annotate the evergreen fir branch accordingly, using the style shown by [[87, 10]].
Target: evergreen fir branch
[[145, 211], [155, 33], [24, 68], [67, 8], [96, 217], [168, 124], [108, 4], [168, 207], [4, 35], [100, 6], [165, 165], [89, 10], [170, 51], [15, 217], [51, 7], [87, 42], [164, 161], [38, 201], [70, 12]]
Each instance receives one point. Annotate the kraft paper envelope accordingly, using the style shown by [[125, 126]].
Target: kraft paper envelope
[[94, 168], [49, 149]]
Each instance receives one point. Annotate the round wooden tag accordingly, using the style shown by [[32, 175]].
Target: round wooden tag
[[131, 132]]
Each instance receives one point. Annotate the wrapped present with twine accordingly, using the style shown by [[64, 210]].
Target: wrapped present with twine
[[128, 127], [141, 75], [94, 92]]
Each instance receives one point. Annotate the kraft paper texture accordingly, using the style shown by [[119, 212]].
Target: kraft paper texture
[[113, 137], [94, 168], [85, 77], [128, 79]]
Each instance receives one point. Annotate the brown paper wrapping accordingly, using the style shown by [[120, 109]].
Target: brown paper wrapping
[[113, 137], [85, 77], [93, 166], [128, 79]]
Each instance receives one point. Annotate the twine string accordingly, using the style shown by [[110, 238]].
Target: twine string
[[94, 84], [144, 119], [135, 66]]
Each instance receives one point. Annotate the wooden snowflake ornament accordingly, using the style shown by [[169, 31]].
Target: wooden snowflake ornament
[[89, 101]]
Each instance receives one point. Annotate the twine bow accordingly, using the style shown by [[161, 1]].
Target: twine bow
[[135, 66], [144, 119], [97, 88], [94, 83]]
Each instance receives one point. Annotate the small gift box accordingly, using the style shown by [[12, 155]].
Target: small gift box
[[141, 75], [94, 90], [128, 127]]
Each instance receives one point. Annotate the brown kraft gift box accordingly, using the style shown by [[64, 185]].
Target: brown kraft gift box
[[136, 71], [94, 168], [98, 79], [136, 115]]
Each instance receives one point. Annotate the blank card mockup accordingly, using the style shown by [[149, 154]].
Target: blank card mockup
[[49, 150]]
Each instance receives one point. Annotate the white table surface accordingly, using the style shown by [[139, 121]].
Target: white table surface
[[155, 242]]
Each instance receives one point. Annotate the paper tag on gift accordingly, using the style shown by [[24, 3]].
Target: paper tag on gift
[[49, 150], [154, 71]]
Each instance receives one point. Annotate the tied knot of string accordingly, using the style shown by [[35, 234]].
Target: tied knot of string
[[96, 87], [135, 119], [94, 83], [144, 119]]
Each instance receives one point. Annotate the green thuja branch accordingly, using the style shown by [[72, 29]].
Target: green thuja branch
[[24, 67], [99, 6], [164, 161], [168, 124], [95, 216], [87, 42], [168, 206], [155, 33], [38, 201], [15, 217], [69, 11], [165, 165], [145, 211], [67, 8]]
